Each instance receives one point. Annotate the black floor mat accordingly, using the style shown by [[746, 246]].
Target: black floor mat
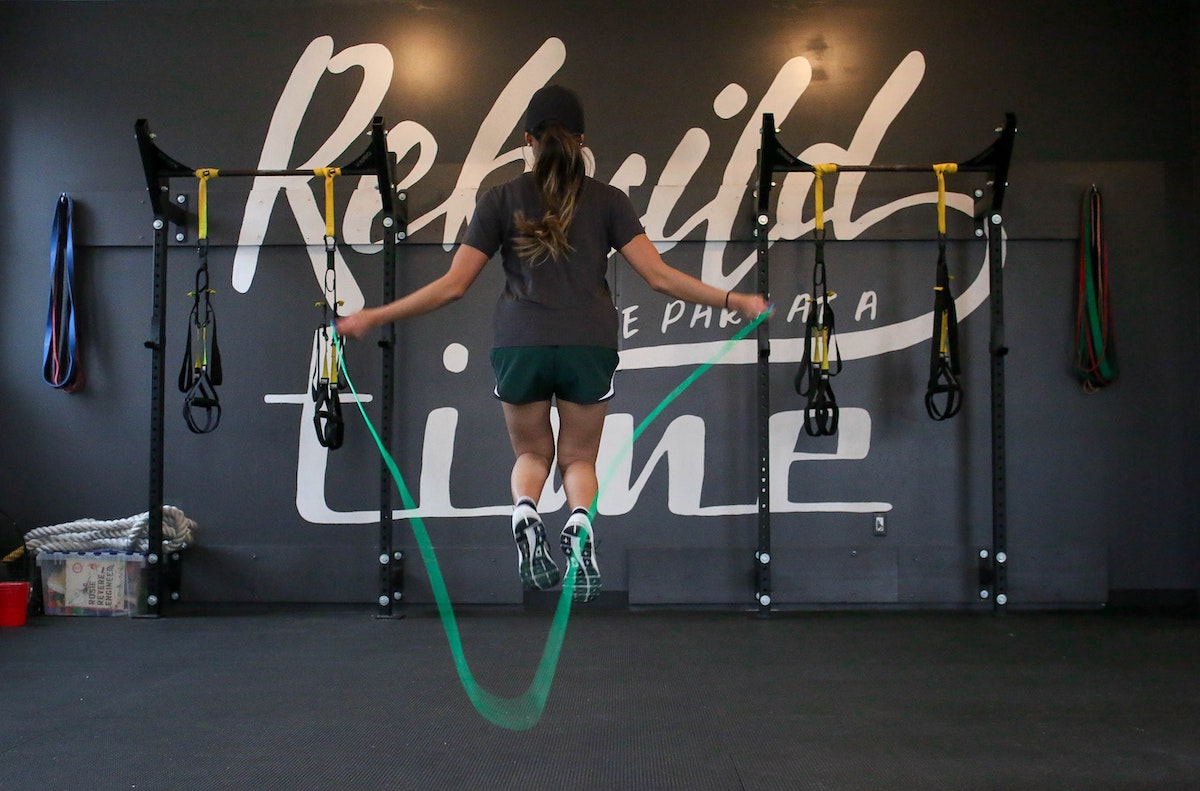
[[336, 699]]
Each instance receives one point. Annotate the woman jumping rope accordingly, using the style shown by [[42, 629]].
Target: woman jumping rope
[[555, 325]]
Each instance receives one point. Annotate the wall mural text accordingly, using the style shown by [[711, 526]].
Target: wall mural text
[[682, 444]]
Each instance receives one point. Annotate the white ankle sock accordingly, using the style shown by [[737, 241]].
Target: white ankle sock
[[580, 517], [522, 512]]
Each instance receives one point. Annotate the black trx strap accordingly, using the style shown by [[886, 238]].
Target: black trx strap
[[943, 393], [327, 415], [60, 363], [1096, 357], [200, 374], [812, 378]]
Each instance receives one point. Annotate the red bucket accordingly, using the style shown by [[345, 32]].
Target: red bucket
[[14, 603]]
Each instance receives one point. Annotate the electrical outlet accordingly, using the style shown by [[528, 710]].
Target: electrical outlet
[[880, 525]]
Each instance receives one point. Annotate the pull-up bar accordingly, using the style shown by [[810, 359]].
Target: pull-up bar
[[275, 173], [993, 161], [159, 169]]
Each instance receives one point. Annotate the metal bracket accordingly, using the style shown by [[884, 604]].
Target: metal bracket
[[179, 219]]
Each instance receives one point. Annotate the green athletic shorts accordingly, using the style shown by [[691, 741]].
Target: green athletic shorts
[[579, 374]]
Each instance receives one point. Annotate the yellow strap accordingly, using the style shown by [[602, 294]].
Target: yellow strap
[[941, 171], [328, 174], [204, 174], [327, 366], [819, 191], [333, 360]]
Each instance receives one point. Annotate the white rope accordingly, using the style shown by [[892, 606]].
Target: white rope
[[124, 535]]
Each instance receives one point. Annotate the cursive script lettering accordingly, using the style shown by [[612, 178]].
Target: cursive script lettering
[[682, 444]]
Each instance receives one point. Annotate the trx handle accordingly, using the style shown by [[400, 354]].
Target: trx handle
[[201, 406], [326, 389], [201, 372], [813, 377], [821, 409], [943, 391], [944, 367], [60, 358]]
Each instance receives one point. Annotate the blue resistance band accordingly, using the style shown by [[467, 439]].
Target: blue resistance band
[[60, 362]]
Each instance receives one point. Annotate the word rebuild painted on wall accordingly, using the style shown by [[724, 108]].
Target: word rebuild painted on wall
[[643, 327]]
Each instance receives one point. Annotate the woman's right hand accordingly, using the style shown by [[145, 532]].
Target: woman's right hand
[[355, 325], [750, 305]]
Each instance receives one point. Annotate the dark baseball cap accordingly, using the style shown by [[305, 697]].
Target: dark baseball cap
[[554, 103]]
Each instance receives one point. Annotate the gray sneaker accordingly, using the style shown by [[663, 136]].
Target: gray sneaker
[[577, 545], [534, 564]]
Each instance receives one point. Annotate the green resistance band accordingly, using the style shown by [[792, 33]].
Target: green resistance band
[[523, 711]]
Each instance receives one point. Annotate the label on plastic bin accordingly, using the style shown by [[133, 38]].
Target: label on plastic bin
[[95, 584]]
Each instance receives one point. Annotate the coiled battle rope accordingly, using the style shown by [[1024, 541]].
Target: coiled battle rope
[[128, 535]]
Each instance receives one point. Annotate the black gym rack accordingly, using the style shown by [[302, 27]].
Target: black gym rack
[[994, 162], [171, 218]]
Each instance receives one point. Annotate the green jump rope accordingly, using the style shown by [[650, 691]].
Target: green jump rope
[[523, 711]]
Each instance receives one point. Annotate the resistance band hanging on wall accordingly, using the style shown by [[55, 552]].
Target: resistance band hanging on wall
[[200, 374], [944, 367], [60, 358], [327, 416], [1096, 358], [812, 378]]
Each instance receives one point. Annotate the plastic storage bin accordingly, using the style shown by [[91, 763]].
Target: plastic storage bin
[[91, 583]]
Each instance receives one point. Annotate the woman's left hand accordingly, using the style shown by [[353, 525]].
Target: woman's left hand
[[751, 305]]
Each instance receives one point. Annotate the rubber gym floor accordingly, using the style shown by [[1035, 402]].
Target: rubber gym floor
[[334, 698]]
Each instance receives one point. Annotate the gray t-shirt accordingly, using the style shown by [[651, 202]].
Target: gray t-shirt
[[565, 302]]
